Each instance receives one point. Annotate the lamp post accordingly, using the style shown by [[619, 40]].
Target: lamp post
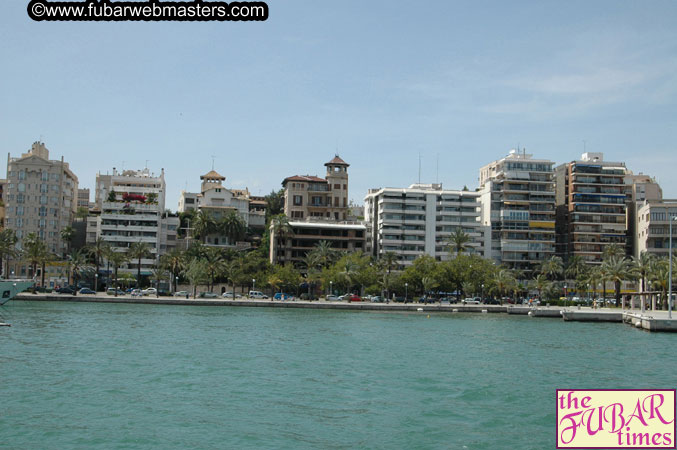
[[566, 298], [96, 282], [482, 293], [670, 218], [253, 284], [176, 283], [406, 292], [331, 288]]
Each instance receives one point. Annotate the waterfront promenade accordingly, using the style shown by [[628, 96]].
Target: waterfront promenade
[[649, 320]]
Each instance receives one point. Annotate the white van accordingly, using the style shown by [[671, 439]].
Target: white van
[[257, 294]]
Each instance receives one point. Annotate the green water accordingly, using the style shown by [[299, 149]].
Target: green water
[[100, 376]]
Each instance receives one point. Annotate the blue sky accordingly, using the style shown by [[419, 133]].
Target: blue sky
[[378, 81]]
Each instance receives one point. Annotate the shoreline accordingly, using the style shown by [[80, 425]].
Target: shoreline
[[649, 321]]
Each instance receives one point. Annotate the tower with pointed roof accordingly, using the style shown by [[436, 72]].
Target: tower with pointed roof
[[337, 178]]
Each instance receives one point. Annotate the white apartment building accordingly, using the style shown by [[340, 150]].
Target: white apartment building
[[418, 220], [518, 203], [132, 205]]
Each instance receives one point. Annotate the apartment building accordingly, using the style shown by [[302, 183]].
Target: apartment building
[[40, 197], [307, 196], [517, 194], [132, 205], [592, 199], [418, 220], [643, 188], [3, 184], [653, 232]]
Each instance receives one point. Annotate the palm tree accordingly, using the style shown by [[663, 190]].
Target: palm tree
[[117, 259], [158, 274], [613, 249], [643, 266], [312, 263], [77, 263], [324, 253], [67, 234], [175, 262], [138, 251], [618, 269], [541, 283], [213, 264], [8, 248], [458, 241], [552, 268], [45, 258], [593, 279], [230, 271], [99, 249], [82, 213], [659, 277], [576, 267], [281, 226], [33, 250], [503, 281], [204, 225], [232, 226]]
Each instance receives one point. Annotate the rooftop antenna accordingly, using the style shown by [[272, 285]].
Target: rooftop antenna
[[437, 170], [123, 165], [213, 157], [147, 163], [584, 146]]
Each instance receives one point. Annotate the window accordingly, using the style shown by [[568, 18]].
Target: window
[[44, 188], [19, 210], [22, 174], [45, 176], [21, 187], [298, 200], [345, 187], [19, 198], [297, 214], [337, 186]]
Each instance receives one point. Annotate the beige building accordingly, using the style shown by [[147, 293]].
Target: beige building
[[653, 226], [83, 198], [643, 189], [307, 196], [41, 197], [3, 184], [518, 204]]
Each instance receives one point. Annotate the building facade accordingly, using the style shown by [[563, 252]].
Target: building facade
[[132, 205], [307, 196], [517, 194], [592, 200], [40, 197], [418, 220], [653, 232]]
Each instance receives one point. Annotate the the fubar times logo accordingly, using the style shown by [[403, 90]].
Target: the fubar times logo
[[615, 418]]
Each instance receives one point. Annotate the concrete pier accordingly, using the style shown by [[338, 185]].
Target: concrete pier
[[592, 315], [519, 309], [651, 320], [546, 311]]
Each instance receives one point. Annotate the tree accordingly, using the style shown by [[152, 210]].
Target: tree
[[8, 248], [138, 251], [576, 267], [618, 269], [274, 204], [458, 241], [214, 263], [232, 226], [659, 276], [542, 284], [204, 225], [552, 268], [82, 213], [284, 276], [230, 271], [503, 282], [98, 250], [196, 272], [67, 235], [45, 258], [175, 262], [324, 253], [643, 266], [117, 259], [33, 250], [281, 226], [613, 249], [77, 263], [158, 274]]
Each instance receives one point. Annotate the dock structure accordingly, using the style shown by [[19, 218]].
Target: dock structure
[[546, 311], [594, 315], [650, 320]]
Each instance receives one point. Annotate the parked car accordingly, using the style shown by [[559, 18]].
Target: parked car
[[282, 296], [354, 298], [257, 294], [470, 301], [208, 295], [229, 294], [86, 291], [149, 291], [136, 293], [111, 291], [491, 301], [66, 290], [377, 299], [333, 298]]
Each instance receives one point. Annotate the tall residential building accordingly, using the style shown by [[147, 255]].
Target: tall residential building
[[41, 197], [132, 205], [592, 200], [518, 203], [643, 188], [653, 231], [418, 220], [307, 196], [3, 184], [83, 198], [217, 200]]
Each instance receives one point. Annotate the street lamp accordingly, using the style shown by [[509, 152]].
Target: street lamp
[[566, 299], [331, 288], [670, 270], [406, 292], [253, 284], [96, 282], [482, 292]]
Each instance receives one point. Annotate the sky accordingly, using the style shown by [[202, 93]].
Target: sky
[[378, 82]]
